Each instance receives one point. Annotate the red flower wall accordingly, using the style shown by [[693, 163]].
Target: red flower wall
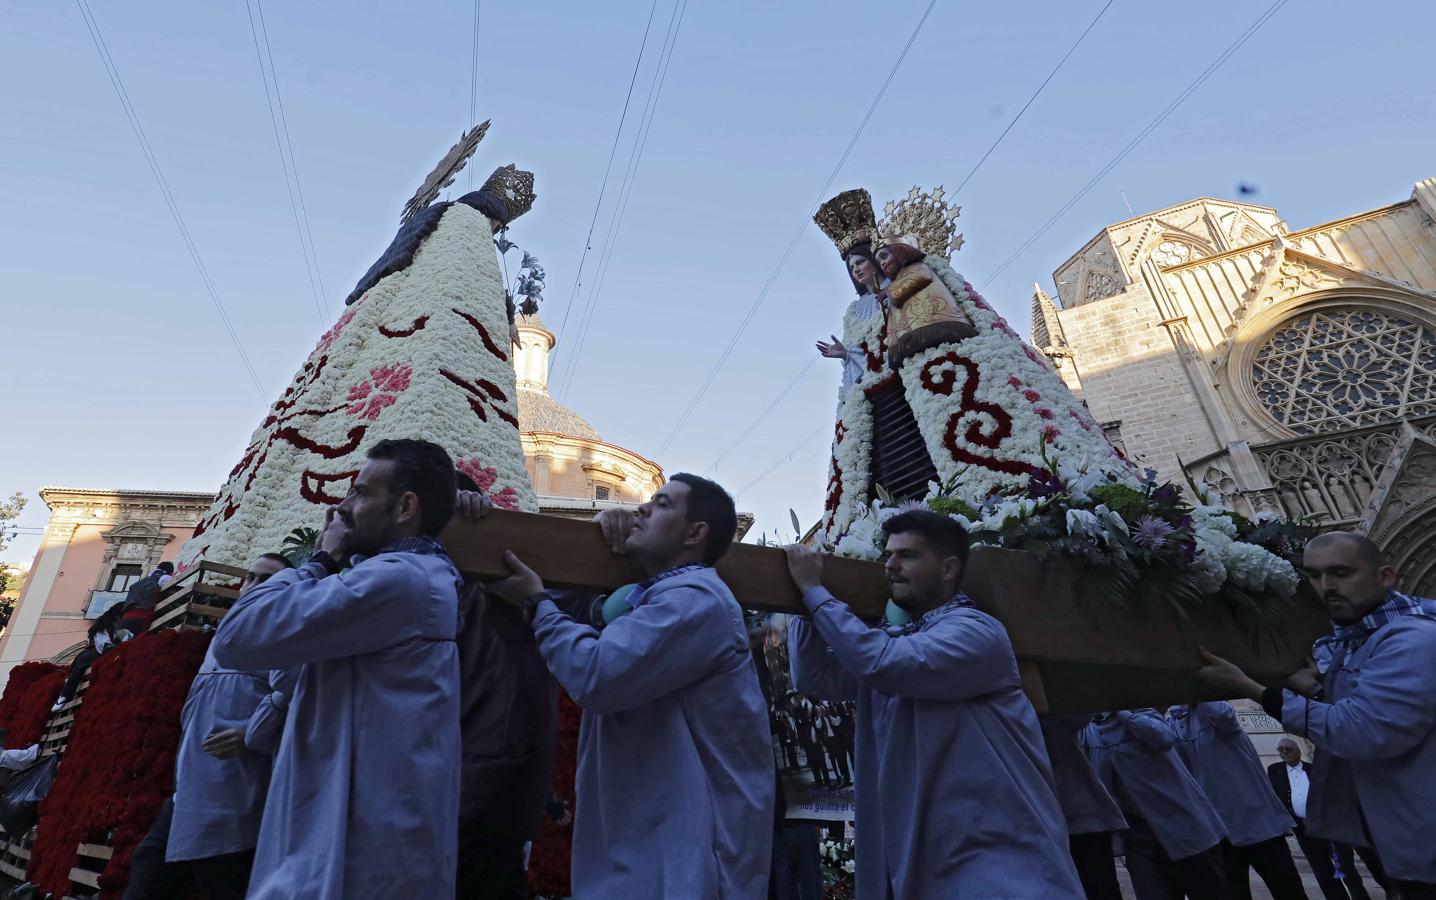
[[25, 706], [548, 863], [119, 764]]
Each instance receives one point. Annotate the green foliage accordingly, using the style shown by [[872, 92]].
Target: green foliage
[[9, 511], [952, 506], [299, 545], [1129, 503]]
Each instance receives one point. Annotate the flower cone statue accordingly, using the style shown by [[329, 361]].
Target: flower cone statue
[[982, 404], [422, 350]]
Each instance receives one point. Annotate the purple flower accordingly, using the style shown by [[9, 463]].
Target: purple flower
[[1165, 497], [1151, 532], [1044, 483]]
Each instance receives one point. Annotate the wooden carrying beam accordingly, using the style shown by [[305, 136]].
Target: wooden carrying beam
[[1072, 659]]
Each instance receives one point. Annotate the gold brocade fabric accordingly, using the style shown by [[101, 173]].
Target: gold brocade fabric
[[918, 300]]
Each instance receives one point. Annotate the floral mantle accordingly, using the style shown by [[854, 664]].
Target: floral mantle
[[986, 407], [25, 706], [424, 353], [120, 760]]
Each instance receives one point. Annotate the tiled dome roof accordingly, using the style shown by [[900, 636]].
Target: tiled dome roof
[[540, 412]]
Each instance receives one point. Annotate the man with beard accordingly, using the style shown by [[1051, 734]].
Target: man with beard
[[675, 764], [363, 804], [955, 796], [1371, 712]]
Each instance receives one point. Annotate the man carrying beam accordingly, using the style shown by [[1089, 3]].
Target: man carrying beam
[[1371, 711], [675, 762], [955, 795]]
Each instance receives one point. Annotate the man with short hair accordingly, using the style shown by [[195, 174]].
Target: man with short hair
[[364, 798], [1371, 712], [675, 764], [955, 795], [230, 728], [1291, 780], [1221, 757]]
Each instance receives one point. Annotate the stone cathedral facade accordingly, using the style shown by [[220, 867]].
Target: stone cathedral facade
[[1290, 371]]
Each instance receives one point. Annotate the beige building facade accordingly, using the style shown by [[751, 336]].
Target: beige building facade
[[1286, 371], [96, 543]]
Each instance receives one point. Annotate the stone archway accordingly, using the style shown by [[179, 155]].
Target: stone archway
[[1412, 550]]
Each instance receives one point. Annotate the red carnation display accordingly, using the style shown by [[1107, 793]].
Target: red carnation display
[[119, 764], [549, 861], [25, 706]]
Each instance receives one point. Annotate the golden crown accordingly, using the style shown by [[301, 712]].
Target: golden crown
[[510, 191], [925, 217], [848, 220]]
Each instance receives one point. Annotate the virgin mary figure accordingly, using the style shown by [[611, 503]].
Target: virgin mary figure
[[938, 387]]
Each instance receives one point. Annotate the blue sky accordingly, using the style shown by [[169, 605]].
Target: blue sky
[[120, 374]]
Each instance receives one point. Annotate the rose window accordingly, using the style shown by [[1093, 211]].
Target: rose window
[[1335, 369], [1174, 253]]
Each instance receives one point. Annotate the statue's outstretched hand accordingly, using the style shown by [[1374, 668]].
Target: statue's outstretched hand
[[834, 350]]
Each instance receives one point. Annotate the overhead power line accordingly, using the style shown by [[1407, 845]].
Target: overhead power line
[[1141, 136], [612, 151], [786, 458], [114, 74], [993, 146], [1035, 94], [777, 398], [287, 161], [625, 193], [802, 228]]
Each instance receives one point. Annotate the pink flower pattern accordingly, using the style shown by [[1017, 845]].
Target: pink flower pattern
[[372, 396], [485, 476]]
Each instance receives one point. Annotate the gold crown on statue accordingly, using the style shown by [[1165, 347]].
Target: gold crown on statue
[[848, 220], [513, 190], [925, 217]]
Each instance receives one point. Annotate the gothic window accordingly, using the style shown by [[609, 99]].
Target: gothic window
[[1101, 285], [1346, 368], [1174, 253]]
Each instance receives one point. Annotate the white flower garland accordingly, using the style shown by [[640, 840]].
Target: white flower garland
[[418, 356]]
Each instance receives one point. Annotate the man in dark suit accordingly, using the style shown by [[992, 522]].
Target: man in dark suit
[[1291, 781]]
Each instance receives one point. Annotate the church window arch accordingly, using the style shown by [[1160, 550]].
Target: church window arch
[[1345, 366]]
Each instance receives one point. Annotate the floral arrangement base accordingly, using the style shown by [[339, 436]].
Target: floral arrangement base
[[119, 763], [1092, 656]]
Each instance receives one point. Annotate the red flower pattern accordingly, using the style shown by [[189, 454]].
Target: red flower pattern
[[549, 862], [373, 395], [485, 476], [119, 763], [25, 706]]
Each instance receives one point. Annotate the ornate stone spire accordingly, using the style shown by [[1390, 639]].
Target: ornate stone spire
[[1046, 327]]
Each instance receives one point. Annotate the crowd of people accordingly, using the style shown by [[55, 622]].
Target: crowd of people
[[372, 724]]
